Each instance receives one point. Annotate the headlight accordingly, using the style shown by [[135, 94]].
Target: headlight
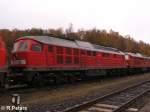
[[22, 61], [18, 62]]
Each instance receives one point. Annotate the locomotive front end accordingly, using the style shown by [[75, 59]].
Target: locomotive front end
[[19, 53]]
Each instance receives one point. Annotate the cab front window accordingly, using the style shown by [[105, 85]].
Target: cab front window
[[23, 46]]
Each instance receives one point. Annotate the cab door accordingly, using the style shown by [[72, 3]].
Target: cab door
[[83, 58], [50, 55], [37, 57]]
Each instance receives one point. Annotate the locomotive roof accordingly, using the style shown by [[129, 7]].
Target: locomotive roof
[[73, 44], [53, 40], [138, 55], [105, 48]]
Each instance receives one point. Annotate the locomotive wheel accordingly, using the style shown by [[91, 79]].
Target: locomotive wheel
[[6, 83], [38, 80], [56, 80], [71, 79]]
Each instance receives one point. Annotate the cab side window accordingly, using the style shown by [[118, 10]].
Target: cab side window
[[50, 48], [36, 47]]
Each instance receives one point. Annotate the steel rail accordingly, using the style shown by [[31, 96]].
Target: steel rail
[[88, 104], [127, 104]]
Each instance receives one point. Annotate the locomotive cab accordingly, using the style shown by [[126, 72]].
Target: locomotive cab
[[27, 53], [18, 54]]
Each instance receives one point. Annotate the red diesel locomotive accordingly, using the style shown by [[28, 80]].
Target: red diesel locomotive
[[44, 52], [38, 59], [137, 61], [2, 60], [2, 55]]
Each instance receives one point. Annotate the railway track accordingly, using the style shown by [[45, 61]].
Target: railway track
[[119, 101]]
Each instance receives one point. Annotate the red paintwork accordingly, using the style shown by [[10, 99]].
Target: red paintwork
[[138, 62], [2, 54], [45, 59]]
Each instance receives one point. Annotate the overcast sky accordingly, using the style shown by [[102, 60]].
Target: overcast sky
[[125, 16]]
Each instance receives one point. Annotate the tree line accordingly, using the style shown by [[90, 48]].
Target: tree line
[[95, 36]]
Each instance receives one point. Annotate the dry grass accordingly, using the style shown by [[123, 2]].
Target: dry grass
[[76, 91]]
